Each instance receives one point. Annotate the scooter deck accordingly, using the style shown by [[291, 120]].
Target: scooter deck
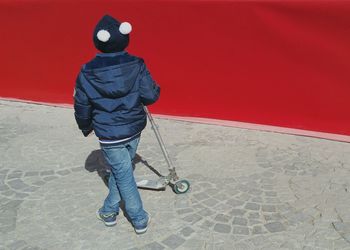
[[151, 184]]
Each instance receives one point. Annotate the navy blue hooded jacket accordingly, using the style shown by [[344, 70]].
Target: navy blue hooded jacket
[[110, 93]]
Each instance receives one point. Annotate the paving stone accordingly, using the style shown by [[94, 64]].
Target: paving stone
[[30, 189], [253, 215], [194, 243], [12, 204], [3, 188], [291, 173], [222, 197], [268, 174], [266, 181], [210, 202], [273, 217], [244, 197], [63, 172], [184, 211], [31, 248], [243, 188], [222, 208], [39, 183], [222, 218], [283, 207], [50, 178], [257, 230], [257, 199], [17, 245], [268, 208], [205, 185], [182, 203], [259, 241], [31, 173], [252, 206], [240, 221], [6, 228], [252, 222], [21, 195], [14, 176], [4, 171], [231, 192], [47, 172], [8, 193], [272, 200], [255, 191], [235, 203], [193, 218], [213, 191], [267, 187], [187, 231], [310, 248], [201, 196], [173, 241], [228, 244], [242, 246], [17, 184], [206, 212], [77, 169], [271, 193], [207, 224], [240, 230], [239, 212], [198, 206], [17, 171], [297, 217], [153, 246], [274, 227], [222, 228]]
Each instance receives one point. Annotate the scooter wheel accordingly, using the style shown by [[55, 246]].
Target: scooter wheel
[[181, 187]]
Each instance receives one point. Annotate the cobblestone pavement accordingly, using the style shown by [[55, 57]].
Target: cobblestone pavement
[[250, 189]]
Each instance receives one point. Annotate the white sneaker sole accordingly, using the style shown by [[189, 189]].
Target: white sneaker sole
[[142, 231], [108, 224]]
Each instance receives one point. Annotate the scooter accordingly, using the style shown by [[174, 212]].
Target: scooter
[[172, 179]]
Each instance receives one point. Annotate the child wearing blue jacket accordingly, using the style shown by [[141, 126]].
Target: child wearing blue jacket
[[109, 96]]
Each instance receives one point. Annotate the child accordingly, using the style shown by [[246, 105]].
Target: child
[[109, 96]]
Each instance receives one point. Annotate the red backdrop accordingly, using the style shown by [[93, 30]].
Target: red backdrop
[[282, 63]]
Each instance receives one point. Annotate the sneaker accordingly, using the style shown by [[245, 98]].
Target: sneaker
[[143, 229], [109, 219]]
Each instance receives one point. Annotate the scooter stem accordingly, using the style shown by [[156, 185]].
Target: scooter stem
[[160, 140]]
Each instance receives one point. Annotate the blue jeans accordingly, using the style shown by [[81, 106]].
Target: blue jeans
[[121, 184]]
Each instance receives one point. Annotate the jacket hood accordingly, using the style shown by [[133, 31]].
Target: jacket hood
[[114, 81]]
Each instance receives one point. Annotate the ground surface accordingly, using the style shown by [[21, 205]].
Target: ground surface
[[250, 189]]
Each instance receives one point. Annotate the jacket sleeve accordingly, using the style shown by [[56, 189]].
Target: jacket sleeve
[[82, 107], [149, 89]]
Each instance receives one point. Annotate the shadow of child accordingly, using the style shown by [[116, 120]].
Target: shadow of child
[[96, 162]]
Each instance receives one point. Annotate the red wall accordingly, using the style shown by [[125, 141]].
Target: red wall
[[282, 63]]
